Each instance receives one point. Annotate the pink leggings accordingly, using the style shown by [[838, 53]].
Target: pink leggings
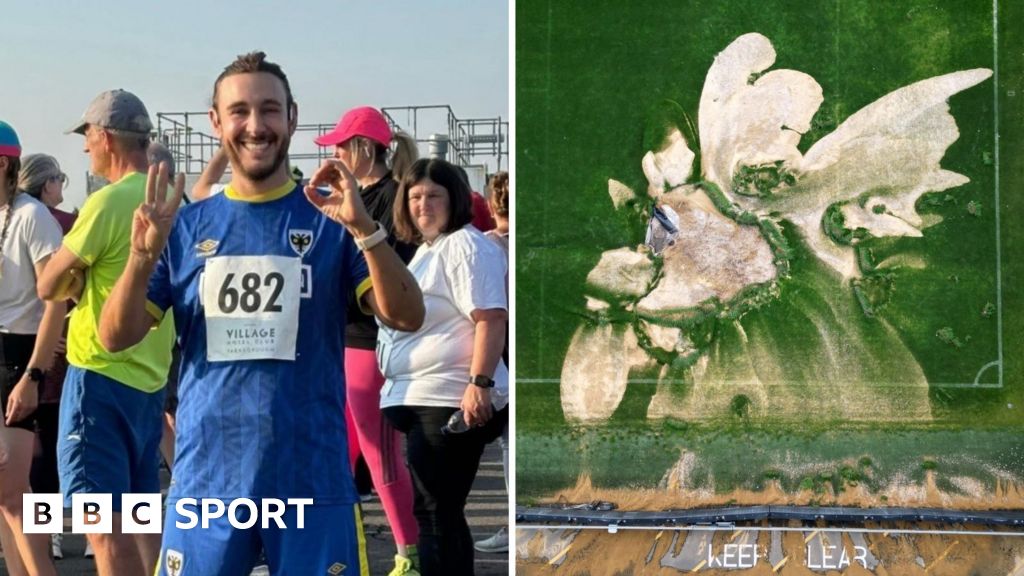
[[379, 443]]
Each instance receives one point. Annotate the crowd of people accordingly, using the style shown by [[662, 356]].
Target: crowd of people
[[260, 339]]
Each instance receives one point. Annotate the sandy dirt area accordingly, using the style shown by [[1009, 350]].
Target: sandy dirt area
[[1006, 496]]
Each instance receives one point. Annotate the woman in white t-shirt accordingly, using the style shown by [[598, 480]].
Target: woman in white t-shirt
[[29, 330], [452, 363]]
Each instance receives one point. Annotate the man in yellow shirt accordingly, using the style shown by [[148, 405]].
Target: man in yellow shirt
[[110, 414]]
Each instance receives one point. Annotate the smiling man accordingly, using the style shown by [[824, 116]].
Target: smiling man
[[257, 280]]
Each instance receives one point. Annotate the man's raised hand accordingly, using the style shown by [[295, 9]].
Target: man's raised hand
[[344, 205], [154, 217]]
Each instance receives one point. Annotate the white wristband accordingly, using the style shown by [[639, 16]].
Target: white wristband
[[372, 240]]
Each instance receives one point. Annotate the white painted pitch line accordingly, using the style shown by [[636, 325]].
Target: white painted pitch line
[[999, 259], [727, 383]]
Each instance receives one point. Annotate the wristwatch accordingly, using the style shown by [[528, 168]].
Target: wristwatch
[[36, 375], [372, 240], [482, 381]]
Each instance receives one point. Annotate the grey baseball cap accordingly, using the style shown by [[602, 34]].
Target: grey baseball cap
[[115, 110]]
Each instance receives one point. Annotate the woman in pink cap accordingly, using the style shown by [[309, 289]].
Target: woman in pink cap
[[362, 141], [29, 330]]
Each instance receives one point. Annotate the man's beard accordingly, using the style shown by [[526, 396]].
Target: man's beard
[[260, 173]]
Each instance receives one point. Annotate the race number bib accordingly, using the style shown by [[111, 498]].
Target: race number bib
[[252, 307]]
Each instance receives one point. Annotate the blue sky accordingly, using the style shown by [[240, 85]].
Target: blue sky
[[337, 54]]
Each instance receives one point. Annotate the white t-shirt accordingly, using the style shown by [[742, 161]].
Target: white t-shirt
[[33, 234], [458, 273]]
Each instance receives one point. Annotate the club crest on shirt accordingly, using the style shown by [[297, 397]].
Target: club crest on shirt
[[336, 568], [206, 248], [173, 562], [300, 240]]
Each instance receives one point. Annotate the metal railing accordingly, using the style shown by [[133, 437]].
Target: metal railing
[[472, 143], [468, 138], [190, 147]]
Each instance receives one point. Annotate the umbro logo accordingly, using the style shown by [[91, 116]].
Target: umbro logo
[[206, 248]]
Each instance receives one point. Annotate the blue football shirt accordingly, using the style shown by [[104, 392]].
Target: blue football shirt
[[258, 290]]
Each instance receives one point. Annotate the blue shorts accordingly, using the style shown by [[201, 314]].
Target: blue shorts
[[109, 441], [331, 542]]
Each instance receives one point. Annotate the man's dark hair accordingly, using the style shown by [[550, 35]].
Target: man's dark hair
[[249, 64], [444, 174], [156, 153]]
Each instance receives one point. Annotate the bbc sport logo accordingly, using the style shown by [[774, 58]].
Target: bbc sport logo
[[142, 513]]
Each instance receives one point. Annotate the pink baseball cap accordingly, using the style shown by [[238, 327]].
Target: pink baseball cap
[[363, 121]]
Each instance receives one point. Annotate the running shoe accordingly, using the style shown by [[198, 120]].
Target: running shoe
[[403, 567], [495, 544], [57, 546]]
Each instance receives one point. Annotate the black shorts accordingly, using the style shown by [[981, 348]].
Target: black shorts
[[15, 352]]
